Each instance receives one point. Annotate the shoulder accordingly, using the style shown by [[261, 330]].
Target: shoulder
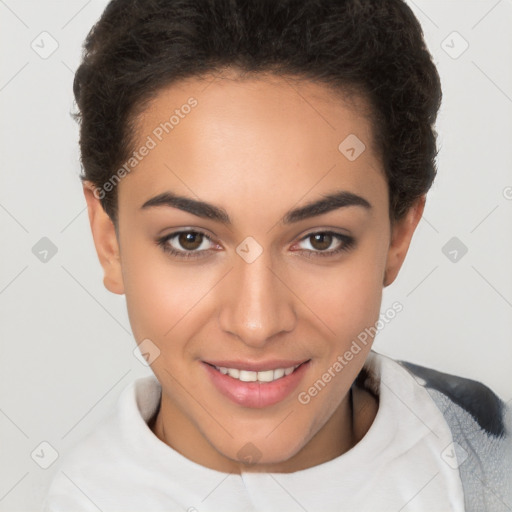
[[481, 427], [473, 397]]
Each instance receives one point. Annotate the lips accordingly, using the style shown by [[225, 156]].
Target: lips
[[256, 385]]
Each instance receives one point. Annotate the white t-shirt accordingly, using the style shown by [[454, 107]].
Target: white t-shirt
[[397, 466]]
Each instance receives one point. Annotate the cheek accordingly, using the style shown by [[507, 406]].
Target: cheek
[[158, 295], [347, 296], [347, 299]]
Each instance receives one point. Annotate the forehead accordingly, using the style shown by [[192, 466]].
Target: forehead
[[262, 138]]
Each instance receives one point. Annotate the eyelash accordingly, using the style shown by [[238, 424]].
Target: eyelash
[[347, 243]]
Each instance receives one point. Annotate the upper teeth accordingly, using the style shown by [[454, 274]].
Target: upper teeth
[[249, 376]]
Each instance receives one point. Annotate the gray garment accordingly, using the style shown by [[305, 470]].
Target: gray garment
[[481, 426]]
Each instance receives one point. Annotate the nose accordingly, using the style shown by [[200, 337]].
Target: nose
[[256, 305]]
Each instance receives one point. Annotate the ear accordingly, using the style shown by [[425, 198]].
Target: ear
[[105, 240], [401, 235]]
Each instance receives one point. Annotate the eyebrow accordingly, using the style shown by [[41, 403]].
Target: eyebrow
[[330, 202]]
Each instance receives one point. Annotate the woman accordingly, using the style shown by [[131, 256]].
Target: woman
[[254, 173]]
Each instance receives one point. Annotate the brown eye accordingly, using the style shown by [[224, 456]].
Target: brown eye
[[325, 243], [190, 240], [186, 244], [321, 241]]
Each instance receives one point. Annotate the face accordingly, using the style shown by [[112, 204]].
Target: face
[[252, 252]]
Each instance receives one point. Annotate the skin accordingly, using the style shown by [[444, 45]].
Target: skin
[[257, 148]]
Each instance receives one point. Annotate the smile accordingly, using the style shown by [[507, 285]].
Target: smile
[[256, 385]]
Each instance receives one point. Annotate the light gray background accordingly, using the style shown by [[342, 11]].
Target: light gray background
[[67, 348]]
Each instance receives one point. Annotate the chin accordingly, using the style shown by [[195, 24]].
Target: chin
[[264, 452]]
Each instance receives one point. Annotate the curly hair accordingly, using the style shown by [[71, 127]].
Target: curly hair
[[375, 47]]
